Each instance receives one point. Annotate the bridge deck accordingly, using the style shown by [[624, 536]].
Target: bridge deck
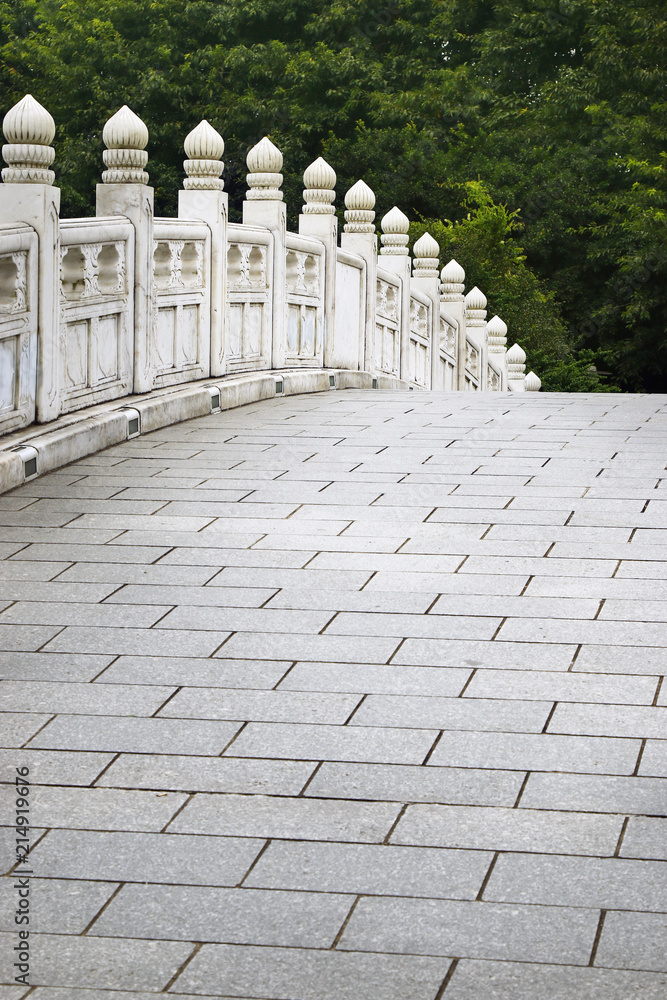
[[354, 696]]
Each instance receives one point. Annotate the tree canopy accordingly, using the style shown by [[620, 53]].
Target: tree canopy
[[527, 135]]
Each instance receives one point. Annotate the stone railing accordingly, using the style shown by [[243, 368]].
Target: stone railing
[[93, 310]]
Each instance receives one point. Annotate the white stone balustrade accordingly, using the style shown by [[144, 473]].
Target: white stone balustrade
[[95, 309]]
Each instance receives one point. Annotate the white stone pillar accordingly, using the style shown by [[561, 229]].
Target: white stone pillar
[[475, 303], [395, 256], [318, 219], [453, 277], [28, 196], [516, 368], [124, 191], [497, 337], [264, 207], [426, 279], [533, 383], [359, 237], [203, 198]]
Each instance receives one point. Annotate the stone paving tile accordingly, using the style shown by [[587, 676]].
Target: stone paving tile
[[281, 646], [634, 610], [12, 992], [165, 642], [512, 655], [449, 540], [633, 941], [287, 818], [453, 713], [518, 607], [371, 870], [563, 687], [100, 808], [446, 584], [632, 590], [543, 752], [44, 613], [58, 906], [242, 557], [595, 793], [17, 728], [131, 573], [550, 566], [620, 660], [404, 783], [605, 720], [642, 566], [26, 638], [85, 505], [279, 538], [50, 767], [382, 745], [31, 571], [212, 537], [74, 961], [385, 561], [414, 626], [286, 973], [654, 759], [144, 857], [261, 706], [47, 552], [481, 828], [372, 679], [53, 593], [212, 774], [645, 837], [296, 579], [134, 735], [191, 671], [472, 930], [83, 699], [354, 600], [9, 548], [579, 631], [216, 597], [36, 518], [611, 883], [233, 916], [523, 981], [245, 620]]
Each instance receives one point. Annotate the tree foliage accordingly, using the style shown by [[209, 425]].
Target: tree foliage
[[536, 127]]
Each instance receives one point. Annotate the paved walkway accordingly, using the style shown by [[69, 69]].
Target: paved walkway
[[354, 696]]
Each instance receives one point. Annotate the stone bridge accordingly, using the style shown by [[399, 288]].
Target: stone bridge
[[348, 696]]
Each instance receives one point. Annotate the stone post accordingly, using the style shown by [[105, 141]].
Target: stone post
[[533, 383], [264, 207], [475, 303], [516, 368], [395, 255], [318, 219], [497, 338], [426, 279], [124, 191], [453, 277], [28, 196], [203, 198], [359, 237]]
